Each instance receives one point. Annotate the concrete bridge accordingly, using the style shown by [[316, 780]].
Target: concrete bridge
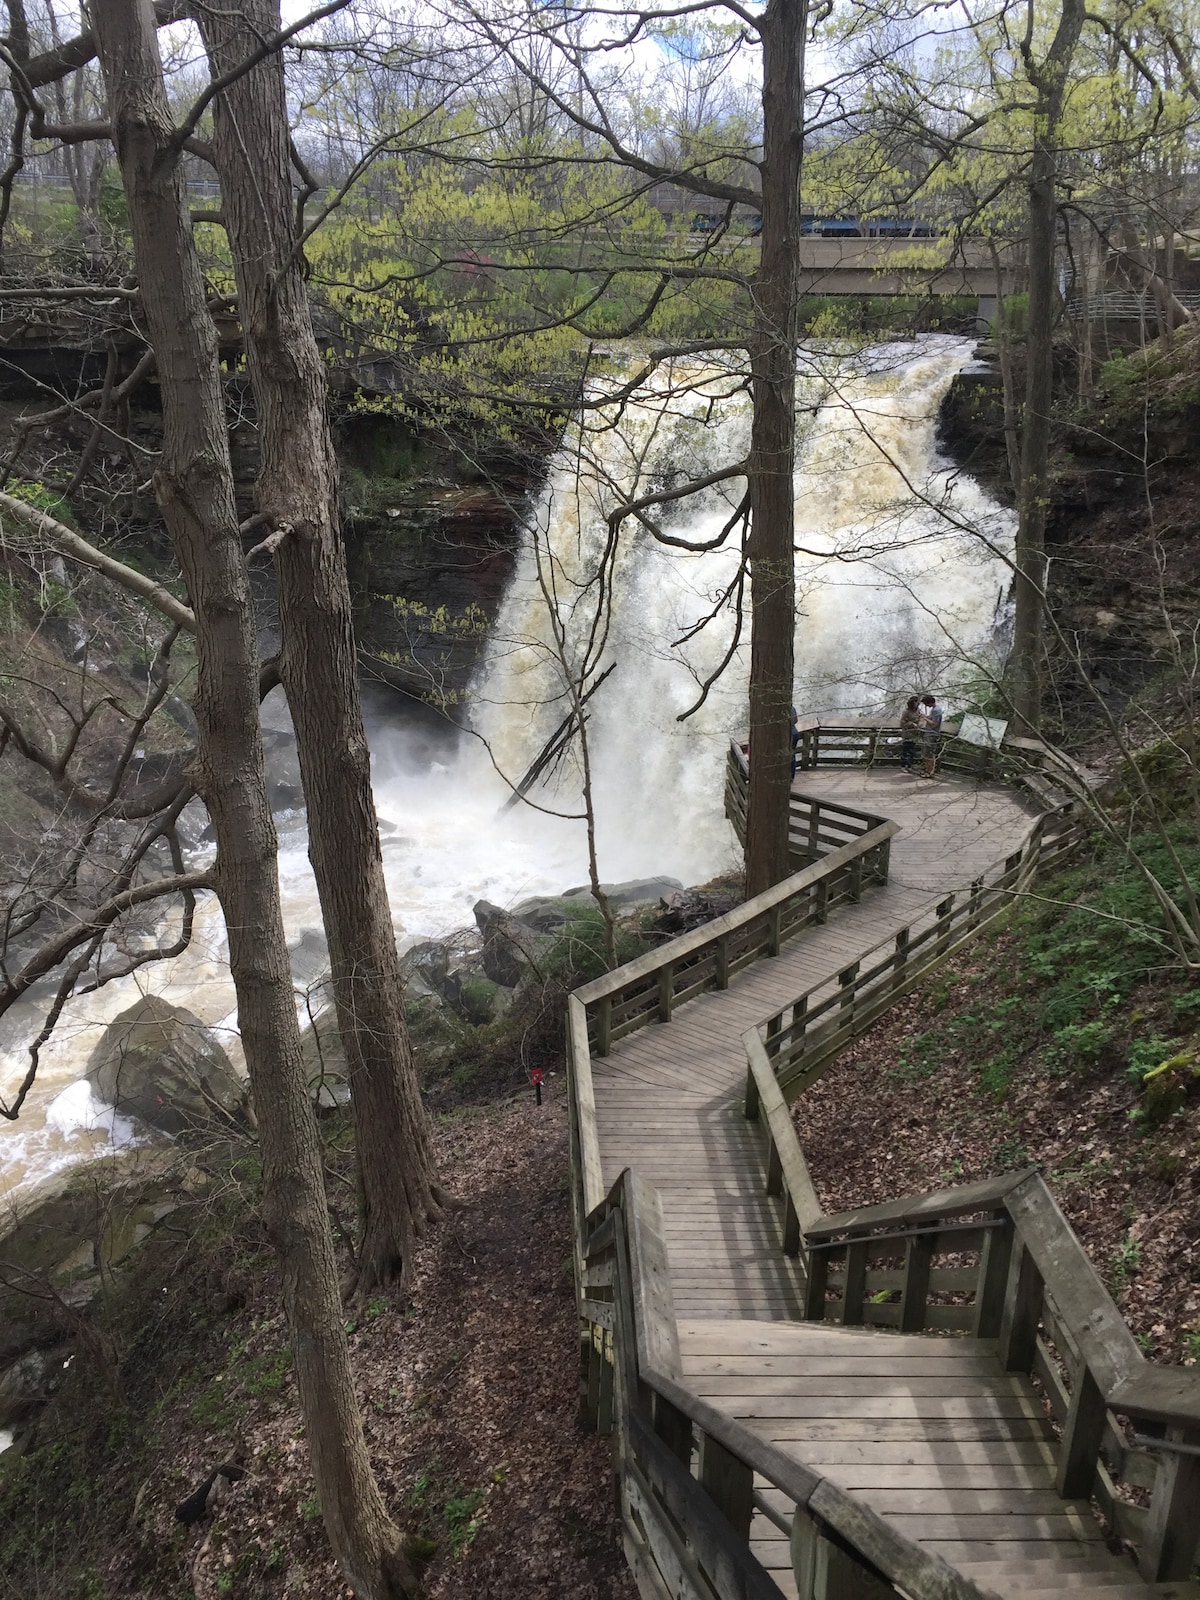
[[891, 266]]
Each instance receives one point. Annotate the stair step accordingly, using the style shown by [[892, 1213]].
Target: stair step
[[1123, 1591], [1070, 1572]]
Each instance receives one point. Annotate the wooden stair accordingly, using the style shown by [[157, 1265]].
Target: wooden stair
[[759, 1455], [930, 1432]]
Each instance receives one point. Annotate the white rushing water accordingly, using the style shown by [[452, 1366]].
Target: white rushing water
[[895, 597]]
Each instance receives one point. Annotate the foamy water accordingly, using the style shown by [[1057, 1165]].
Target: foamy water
[[894, 596]]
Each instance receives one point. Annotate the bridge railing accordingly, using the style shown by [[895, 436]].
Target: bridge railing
[[815, 826], [995, 1260], [652, 987], [691, 1479]]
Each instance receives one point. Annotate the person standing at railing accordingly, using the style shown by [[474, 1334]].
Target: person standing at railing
[[931, 735], [911, 724]]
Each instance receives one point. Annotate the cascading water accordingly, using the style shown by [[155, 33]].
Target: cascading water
[[899, 585]]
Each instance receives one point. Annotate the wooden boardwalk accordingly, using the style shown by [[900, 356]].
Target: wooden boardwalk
[[668, 1099], [929, 1431]]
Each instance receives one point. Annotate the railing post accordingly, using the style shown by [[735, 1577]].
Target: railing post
[[994, 1261], [1082, 1433], [753, 1102], [791, 1226], [900, 960], [1169, 1542], [773, 916], [821, 913], [604, 1025], [729, 1483], [856, 867], [824, 1571], [945, 911], [774, 1032], [846, 978], [666, 984], [856, 1283], [1022, 1313], [721, 963], [797, 1030], [973, 903], [918, 1258], [814, 828], [816, 1279]]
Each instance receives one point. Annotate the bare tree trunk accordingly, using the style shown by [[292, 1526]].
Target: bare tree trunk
[[1029, 588], [195, 490], [773, 447], [1012, 439], [297, 491]]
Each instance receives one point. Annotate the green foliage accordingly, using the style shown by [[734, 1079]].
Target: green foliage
[[42, 499], [449, 1512], [1065, 1006], [1124, 1263], [578, 955]]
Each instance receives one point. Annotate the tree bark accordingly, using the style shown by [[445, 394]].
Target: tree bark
[[194, 484], [1029, 558], [773, 447], [297, 490]]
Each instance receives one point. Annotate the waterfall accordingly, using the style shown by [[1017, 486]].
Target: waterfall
[[899, 575], [899, 582]]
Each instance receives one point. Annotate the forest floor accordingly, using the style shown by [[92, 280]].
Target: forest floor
[[468, 1387]]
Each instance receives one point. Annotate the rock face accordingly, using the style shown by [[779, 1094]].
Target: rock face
[[158, 1062]]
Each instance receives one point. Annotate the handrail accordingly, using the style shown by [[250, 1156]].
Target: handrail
[[817, 1024], [1035, 1291], [787, 1170], [649, 988]]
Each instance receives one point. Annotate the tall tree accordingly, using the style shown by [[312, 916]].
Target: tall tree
[[772, 465], [1049, 78], [194, 485], [297, 496]]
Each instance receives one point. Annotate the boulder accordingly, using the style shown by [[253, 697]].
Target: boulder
[[29, 1382], [159, 1063], [55, 1239], [511, 949], [691, 908], [637, 892]]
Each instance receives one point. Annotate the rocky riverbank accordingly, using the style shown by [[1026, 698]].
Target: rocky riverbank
[[485, 1005]]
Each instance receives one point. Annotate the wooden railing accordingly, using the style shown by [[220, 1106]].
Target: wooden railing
[[998, 1260], [804, 1037], [652, 987], [687, 1526], [815, 827], [847, 742]]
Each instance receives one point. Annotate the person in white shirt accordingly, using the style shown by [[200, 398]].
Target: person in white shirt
[[931, 733]]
